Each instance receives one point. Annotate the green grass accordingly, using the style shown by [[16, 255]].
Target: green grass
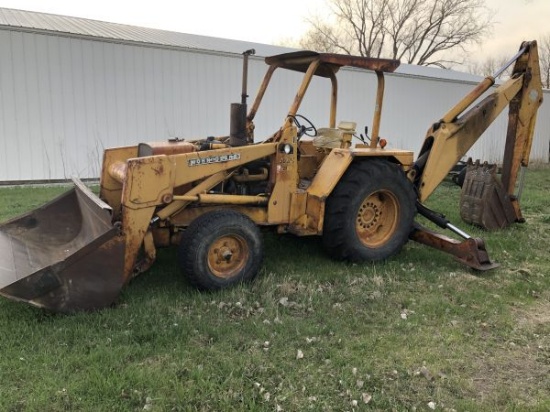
[[398, 335]]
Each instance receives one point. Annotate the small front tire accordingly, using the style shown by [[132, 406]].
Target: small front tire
[[220, 249]]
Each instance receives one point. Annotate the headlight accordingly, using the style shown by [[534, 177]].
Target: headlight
[[286, 148]]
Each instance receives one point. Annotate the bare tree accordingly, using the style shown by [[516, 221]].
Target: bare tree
[[544, 60], [414, 31], [491, 64]]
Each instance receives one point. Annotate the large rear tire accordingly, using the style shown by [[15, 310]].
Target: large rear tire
[[220, 249], [370, 213]]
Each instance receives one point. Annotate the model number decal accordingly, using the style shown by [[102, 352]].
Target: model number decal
[[214, 159]]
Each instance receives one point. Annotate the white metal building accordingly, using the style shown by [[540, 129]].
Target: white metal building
[[70, 87]]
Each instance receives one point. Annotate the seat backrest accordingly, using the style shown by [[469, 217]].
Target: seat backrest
[[331, 138]]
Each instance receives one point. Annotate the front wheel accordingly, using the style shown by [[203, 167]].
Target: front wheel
[[370, 213], [220, 249]]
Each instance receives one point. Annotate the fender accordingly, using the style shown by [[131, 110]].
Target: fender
[[331, 172]]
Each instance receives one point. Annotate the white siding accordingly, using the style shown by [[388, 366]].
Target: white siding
[[64, 99]]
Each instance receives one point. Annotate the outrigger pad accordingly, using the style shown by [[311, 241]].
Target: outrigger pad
[[483, 201], [470, 252]]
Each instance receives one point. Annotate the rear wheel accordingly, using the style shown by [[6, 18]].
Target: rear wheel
[[221, 248], [370, 213]]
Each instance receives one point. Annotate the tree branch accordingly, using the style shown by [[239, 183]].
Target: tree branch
[[417, 31]]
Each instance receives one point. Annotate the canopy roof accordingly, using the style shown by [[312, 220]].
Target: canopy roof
[[329, 62]]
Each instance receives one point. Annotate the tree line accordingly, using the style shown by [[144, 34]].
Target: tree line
[[423, 32]]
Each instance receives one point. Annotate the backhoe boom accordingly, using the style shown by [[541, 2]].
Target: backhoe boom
[[449, 139]]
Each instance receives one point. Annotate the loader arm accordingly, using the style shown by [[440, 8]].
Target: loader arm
[[450, 138]]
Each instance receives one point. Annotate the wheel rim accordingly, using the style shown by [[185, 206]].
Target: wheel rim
[[377, 218], [227, 256]]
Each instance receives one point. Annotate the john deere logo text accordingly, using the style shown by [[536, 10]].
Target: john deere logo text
[[214, 159]]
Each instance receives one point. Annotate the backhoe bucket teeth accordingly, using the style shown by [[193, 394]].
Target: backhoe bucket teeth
[[65, 256], [483, 201]]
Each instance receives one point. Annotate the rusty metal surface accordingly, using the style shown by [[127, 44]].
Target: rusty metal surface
[[521, 122], [483, 200], [470, 252], [64, 256], [330, 62], [377, 116]]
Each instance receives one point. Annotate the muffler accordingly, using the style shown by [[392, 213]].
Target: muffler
[[64, 256]]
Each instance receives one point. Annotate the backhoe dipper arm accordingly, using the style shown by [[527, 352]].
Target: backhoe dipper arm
[[450, 138]]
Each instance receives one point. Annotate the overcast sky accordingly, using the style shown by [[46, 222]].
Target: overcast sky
[[275, 20]]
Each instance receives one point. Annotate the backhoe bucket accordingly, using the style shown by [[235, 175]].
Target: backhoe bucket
[[483, 201], [64, 256]]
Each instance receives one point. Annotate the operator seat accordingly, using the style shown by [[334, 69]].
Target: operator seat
[[330, 138]]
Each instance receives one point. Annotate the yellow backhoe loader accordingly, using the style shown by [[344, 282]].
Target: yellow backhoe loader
[[210, 196]]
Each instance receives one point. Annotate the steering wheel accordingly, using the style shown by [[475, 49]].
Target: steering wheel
[[308, 129]]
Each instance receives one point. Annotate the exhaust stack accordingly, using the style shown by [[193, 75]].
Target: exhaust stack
[[238, 133]]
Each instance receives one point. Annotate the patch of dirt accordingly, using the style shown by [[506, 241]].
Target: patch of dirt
[[535, 316], [290, 287], [518, 371]]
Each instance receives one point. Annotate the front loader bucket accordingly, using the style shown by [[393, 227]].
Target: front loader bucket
[[65, 256], [483, 201]]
